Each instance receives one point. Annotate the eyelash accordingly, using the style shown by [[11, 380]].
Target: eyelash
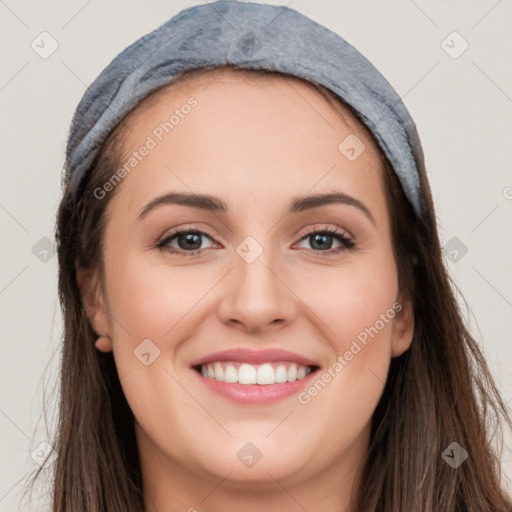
[[347, 243]]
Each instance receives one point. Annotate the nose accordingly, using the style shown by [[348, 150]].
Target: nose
[[256, 297]]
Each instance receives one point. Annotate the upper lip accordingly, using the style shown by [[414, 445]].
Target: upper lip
[[244, 355]]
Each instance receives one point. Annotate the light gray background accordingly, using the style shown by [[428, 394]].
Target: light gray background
[[462, 108]]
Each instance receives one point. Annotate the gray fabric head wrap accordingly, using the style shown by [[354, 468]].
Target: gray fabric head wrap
[[254, 36]]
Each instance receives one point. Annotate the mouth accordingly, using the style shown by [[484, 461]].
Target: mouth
[[266, 374], [252, 377]]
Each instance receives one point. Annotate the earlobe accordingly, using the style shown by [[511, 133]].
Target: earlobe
[[104, 343], [403, 329]]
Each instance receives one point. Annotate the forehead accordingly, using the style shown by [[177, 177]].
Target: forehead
[[300, 92], [261, 132]]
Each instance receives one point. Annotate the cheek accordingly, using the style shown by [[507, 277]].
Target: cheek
[[149, 300], [364, 311], [355, 299], [358, 306]]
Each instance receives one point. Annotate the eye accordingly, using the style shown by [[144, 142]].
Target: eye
[[188, 241], [321, 240]]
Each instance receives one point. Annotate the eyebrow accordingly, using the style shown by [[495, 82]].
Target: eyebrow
[[214, 204]]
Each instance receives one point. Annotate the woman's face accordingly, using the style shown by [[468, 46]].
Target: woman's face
[[251, 277]]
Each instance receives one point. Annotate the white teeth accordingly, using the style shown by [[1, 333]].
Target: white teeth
[[263, 374], [246, 374], [230, 374], [219, 372], [281, 374], [292, 373]]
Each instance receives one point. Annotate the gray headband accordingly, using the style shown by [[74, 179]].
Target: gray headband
[[253, 36]]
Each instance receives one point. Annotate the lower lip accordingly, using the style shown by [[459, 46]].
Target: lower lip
[[255, 393]]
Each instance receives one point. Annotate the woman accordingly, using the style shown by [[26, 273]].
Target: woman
[[257, 313]]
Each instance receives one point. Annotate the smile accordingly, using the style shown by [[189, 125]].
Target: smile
[[248, 376], [277, 372]]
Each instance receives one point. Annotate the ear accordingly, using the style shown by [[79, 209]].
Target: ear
[[93, 303], [403, 326]]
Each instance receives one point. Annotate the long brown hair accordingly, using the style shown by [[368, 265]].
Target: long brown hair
[[438, 392]]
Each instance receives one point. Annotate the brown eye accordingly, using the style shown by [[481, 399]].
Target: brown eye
[[188, 241]]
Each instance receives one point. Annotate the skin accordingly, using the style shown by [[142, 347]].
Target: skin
[[254, 144]]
